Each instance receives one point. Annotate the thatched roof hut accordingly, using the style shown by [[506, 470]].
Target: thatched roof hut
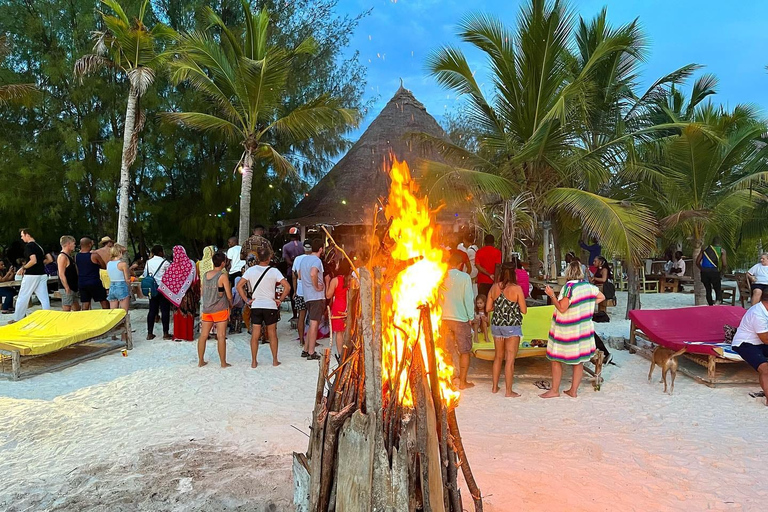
[[347, 194]]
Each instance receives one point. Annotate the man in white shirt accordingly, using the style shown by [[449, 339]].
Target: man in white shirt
[[158, 304], [758, 279], [235, 263], [313, 289], [301, 305], [263, 279], [751, 340]]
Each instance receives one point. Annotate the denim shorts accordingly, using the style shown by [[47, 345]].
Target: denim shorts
[[118, 290], [506, 331]]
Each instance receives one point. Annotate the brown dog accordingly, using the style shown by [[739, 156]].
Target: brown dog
[[667, 360]]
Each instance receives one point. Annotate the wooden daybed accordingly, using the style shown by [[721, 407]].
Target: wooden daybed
[[700, 331], [45, 332]]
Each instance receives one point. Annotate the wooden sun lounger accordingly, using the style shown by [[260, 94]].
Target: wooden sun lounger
[[708, 361], [120, 332]]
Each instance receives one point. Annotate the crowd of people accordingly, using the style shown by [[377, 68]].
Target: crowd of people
[[482, 295], [247, 284]]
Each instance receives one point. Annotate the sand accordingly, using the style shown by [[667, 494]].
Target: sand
[[151, 431]]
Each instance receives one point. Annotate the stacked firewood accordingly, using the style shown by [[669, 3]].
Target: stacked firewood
[[367, 449]]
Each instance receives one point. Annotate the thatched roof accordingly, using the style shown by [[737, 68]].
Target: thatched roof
[[347, 194]]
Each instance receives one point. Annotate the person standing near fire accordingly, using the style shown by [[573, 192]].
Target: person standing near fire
[[458, 305], [313, 288], [486, 260]]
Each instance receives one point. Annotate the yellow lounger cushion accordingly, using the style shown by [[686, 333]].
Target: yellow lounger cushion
[[536, 324], [43, 332]]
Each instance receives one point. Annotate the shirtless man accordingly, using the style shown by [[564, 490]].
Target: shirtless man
[[65, 262]]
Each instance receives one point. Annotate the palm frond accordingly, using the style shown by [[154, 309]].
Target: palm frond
[[11, 93], [279, 163], [456, 185], [203, 122], [141, 78], [91, 63], [623, 228]]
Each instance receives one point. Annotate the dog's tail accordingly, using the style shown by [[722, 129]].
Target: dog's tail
[[678, 353]]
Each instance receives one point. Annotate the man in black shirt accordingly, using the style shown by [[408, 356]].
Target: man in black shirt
[[34, 279]]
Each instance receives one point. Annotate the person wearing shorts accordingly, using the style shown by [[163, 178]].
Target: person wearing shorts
[[751, 340], [299, 302], [262, 280], [313, 289], [119, 293], [89, 264], [217, 299], [507, 302], [458, 304], [65, 262]]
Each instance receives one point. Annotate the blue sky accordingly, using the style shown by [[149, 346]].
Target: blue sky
[[729, 38]]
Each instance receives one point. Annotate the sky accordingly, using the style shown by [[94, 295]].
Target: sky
[[729, 38]]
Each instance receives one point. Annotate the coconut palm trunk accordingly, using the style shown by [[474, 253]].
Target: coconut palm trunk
[[125, 168], [633, 288], [245, 201]]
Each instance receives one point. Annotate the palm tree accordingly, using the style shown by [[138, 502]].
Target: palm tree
[[10, 93], [244, 79], [532, 125], [705, 179], [131, 49]]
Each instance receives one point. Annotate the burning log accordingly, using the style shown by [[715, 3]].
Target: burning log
[[384, 430]]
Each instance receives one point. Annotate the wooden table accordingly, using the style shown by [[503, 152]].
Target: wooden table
[[671, 282], [541, 284], [17, 284]]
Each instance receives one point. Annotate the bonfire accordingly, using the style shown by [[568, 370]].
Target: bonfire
[[384, 434]]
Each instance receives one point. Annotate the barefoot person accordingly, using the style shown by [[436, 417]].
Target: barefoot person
[[65, 262], [458, 312], [507, 301], [217, 299], [751, 340], [572, 335], [262, 280], [119, 295], [89, 264]]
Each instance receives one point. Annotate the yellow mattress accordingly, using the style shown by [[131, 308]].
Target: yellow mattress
[[43, 332], [536, 324]]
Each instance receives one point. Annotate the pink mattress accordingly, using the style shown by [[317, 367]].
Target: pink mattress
[[698, 329]]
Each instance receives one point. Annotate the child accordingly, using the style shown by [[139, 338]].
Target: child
[[236, 316], [480, 323]]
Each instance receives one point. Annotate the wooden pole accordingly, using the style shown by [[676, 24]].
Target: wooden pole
[[453, 426]]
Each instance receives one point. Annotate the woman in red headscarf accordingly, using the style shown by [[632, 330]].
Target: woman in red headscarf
[[181, 286]]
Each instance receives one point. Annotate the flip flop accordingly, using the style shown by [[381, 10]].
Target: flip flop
[[543, 384], [757, 394]]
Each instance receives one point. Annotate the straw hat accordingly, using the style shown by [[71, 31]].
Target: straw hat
[[105, 240]]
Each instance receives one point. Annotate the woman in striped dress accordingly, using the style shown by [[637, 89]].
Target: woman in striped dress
[[572, 334]]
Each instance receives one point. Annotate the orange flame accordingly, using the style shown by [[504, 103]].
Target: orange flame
[[412, 232]]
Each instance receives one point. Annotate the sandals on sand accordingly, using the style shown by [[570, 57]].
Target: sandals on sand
[[543, 384], [757, 394], [313, 357]]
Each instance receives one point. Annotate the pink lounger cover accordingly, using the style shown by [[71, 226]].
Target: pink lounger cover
[[698, 329]]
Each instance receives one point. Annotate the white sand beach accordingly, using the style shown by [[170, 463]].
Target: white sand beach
[[151, 431]]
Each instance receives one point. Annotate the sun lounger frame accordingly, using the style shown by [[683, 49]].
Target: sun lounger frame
[[709, 362], [123, 327]]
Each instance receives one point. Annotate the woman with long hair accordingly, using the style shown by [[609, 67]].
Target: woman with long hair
[[507, 302], [572, 334], [217, 299], [337, 291]]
